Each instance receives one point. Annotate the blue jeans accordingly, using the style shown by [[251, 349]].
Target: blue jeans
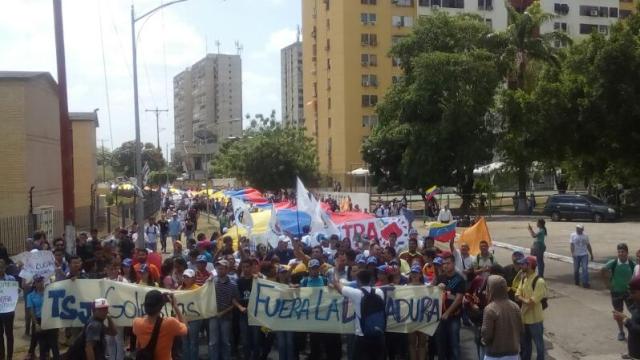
[[220, 338], [249, 338], [448, 338], [286, 345], [532, 332], [190, 342], [540, 261], [581, 262]]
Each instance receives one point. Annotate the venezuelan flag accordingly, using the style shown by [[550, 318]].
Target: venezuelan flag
[[442, 232]]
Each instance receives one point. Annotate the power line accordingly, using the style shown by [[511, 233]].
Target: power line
[[104, 70]]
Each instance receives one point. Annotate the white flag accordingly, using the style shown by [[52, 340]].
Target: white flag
[[320, 221], [241, 214]]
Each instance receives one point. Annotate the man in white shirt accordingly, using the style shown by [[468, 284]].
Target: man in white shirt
[[464, 260], [151, 234], [365, 347], [580, 251], [444, 216]]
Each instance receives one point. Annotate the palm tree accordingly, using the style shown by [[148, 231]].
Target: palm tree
[[522, 50]]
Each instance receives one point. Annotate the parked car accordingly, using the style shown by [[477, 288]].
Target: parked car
[[576, 206]]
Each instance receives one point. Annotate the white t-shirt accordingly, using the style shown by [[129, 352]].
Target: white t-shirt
[[444, 215], [636, 271], [462, 264], [355, 296], [580, 243], [151, 232]]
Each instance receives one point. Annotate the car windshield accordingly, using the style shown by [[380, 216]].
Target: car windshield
[[594, 200]]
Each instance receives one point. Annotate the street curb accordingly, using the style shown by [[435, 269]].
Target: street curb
[[547, 255]]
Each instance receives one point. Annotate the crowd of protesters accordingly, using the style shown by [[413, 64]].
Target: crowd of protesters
[[503, 304]]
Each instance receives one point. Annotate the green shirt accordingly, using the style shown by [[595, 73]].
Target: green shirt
[[620, 276]]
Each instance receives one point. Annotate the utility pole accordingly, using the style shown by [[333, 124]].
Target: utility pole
[[157, 122], [104, 173], [66, 134]]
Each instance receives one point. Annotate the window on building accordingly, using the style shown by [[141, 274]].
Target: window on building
[[560, 26], [603, 29], [613, 12], [327, 46], [368, 18], [424, 3], [624, 13], [396, 79], [368, 60], [329, 103], [395, 61], [369, 120], [588, 28], [454, 4], [485, 5], [369, 80], [329, 123], [589, 11], [561, 9], [489, 23], [369, 100], [368, 39], [402, 21], [368, 2], [402, 2]]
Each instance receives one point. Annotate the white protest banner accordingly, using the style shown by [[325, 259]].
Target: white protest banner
[[68, 303], [39, 263], [380, 228], [8, 296], [321, 309]]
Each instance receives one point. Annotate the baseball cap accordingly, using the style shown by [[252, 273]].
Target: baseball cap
[[372, 260], [282, 269], [204, 244], [100, 303], [201, 258], [224, 230], [222, 262], [189, 273], [530, 260], [361, 259], [416, 268], [383, 268], [314, 263], [518, 254], [580, 226], [127, 262], [394, 262], [143, 268], [437, 261], [413, 232]]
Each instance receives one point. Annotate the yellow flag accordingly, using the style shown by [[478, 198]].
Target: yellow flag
[[473, 235]]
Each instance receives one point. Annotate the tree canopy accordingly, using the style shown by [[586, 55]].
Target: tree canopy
[[124, 158], [435, 124], [269, 156]]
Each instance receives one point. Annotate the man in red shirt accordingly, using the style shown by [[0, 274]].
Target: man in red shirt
[[142, 258]]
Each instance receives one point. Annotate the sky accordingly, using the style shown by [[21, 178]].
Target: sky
[[98, 53]]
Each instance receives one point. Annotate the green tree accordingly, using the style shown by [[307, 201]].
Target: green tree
[[435, 124], [124, 157], [269, 156], [523, 52]]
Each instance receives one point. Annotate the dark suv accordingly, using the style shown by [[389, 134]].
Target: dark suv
[[575, 206]]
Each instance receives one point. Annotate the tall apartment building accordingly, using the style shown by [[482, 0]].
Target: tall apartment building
[[347, 71], [493, 12], [291, 84], [207, 109]]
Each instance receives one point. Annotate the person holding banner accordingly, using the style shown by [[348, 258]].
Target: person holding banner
[[190, 342], [6, 316], [46, 339], [417, 340], [448, 333], [370, 347]]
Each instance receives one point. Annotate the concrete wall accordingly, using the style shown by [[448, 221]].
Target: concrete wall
[[84, 168], [43, 163], [13, 195]]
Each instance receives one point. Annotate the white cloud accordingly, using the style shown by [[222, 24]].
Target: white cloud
[[280, 38]]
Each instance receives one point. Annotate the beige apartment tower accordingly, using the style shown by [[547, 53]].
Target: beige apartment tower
[[291, 84], [346, 72], [207, 109]]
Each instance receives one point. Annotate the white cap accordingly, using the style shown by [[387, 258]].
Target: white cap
[[580, 226], [189, 273], [100, 303]]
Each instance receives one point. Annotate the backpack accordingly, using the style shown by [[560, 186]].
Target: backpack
[[76, 351], [615, 264], [146, 353], [373, 319], [544, 301]]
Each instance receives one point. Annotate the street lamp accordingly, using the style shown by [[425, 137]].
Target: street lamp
[[139, 213]]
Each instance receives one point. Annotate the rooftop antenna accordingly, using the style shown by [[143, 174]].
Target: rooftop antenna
[[239, 47], [206, 45], [218, 46], [298, 34]]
